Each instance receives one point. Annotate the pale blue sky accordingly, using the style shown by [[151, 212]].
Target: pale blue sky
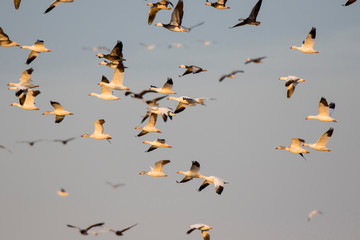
[[234, 137]]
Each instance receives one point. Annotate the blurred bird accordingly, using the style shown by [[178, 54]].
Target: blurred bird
[[138, 95], [59, 112], [325, 111], [147, 46], [156, 144], [155, 7], [184, 101], [251, 20], [291, 82], [203, 228], [17, 4], [106, 92], [176, 45], [36, 49], [166, 89], [85, 231], [313, 213], [62, 193], [150, 126], [176, 19], [114, 186], [5, 148], [220, 4], [98, 131], [218, 183], [56, 3], [98, 48], [308, 44], [5, 40], [26, 100], [295, 147], [113, 65], [194, 172], [64, 141], [230, 75], [254, 60], [32, 143], [320, 145], [153, 102], [349, 2], [191, 69], [156, 171], [165, 113], [115, 55], [120, 232], [25, 82]]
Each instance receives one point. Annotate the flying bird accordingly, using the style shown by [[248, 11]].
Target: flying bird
[[138, 95], [117, 80], [32, 143], [59, 112], [154, 101], [64, 141], [85, 231], [115, 55], [254, 60], [56, 3], [218, 183], [120, 232], [26, 100], [36, 49], [150, 126], [230, 75], [106, 92], [184, 101], [98, 131], [147, 46], [17, 4], [114, 186], [166, 89], [320, 145], [191, 69], [203, 228], [194, 172], [313, 213], [165, 113], [325, 111], [176, 19], [295, 147], [62, 193], [290, 83], [5, 148], [155, 7], [308, 44], [349, 2], [156, 171], [156, 144], [251, 20], [5, 40], [25, 82], [220, 4]]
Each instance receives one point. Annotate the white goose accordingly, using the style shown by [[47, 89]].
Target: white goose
[[25, 81], [56, 3], [62, 193], [150, 126], [59, 112], [203, 228], [295, 147], [291, 82], [313, 213], [5, 40], [166, 89], [192, 173], [98, 131], [320, 145], [308, 44], [27, 99], [156, 171], [118, 79], [156, 144], [184, 101], [325, 111], [36, 49], [218, 183], [106, 92], [164, 112]]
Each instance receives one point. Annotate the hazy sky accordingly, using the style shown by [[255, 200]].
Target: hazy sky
[[270, 192]]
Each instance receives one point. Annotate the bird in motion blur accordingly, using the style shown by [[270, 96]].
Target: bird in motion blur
[[85, 231], [202, 227]]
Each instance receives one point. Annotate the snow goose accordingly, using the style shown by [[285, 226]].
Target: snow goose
[[114, 186], [59, 112], [295, 147], [254, 60], [17, 4], [290, 83], [85, 231], [191, 69], [220, 4], [106, 92], [320, 145], [325, 111], [5, 40], [64, 141], [308, 44], [192, 173], [156, 171], [349, 2], [155, 7], [230, 75], [251, 20], [36, 49], [115, 55], [165, 112], [203, 228], [156, 144], [117, 80], [113, 65], [98, 131], [27, 99], [56, 3], [176, 19], [218, 183], [25, 81], [120, 232], [313, 213], [138, 95], [184, 101], [166, 89], [153, 102], [150, 126], [5, 148], [62, 193], [31, 143]]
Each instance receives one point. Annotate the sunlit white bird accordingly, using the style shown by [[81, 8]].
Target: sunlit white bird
[[320, 145], [59, 112], [56, 3], [156, 171], [156, 144], [295, 147], [5, 40], [98, 131], [150, 126], [117, 80], [166, 89], [218, 183], [313, 213], [25, 81], [308, 44], [203, 228], [220, 4], [106, 92], [164, 112], [194, 172], [290, 83], [36, 49], [184, 101], [155, 7], [27, 99], [325, 111]]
